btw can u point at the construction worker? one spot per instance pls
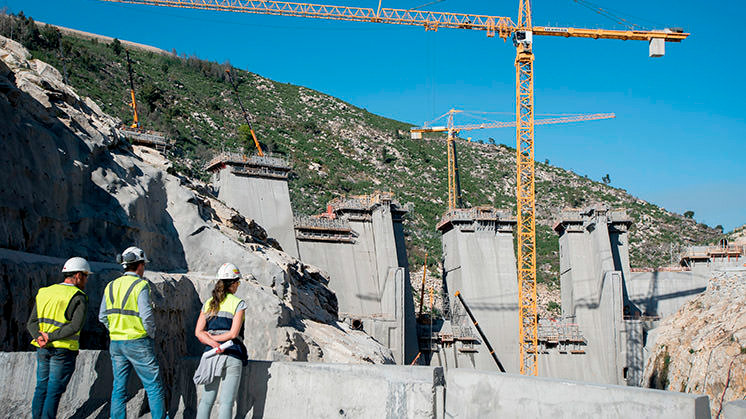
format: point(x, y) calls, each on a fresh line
point(127, 312)
point(219, 322)
point(56, 319)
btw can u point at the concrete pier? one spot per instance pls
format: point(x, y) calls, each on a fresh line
point(257, 188)
point(360, 244)
point(479, 262)
point(594, 263)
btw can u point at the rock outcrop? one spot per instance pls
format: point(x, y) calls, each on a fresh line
point(71, 185)
point(702, 348)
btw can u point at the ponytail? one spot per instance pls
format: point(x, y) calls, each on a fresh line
point(218, 295)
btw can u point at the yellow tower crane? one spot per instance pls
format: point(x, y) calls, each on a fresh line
point(454, 183)
point(522, 33)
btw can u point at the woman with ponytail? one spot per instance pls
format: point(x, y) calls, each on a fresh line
point(220, 321)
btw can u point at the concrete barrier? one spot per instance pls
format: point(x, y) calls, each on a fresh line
point(734, 410)
point(268, 389)
point(87, 395)
point(476, 394)
point(313, 390)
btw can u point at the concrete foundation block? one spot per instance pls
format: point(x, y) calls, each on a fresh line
point(355, 391)
point(734, 410)
point(476, 394)
point(88, 394)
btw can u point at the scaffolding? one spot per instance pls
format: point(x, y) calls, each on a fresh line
point(360, 207)
point(563, 335)
point(363, 202)
point(477, 218)
point(723, 251)
point(150, 139)
point(256, 166)
point(323, 229)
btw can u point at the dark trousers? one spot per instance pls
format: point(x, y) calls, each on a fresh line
point(54, 368)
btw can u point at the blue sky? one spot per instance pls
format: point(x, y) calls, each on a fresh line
point(679, 139)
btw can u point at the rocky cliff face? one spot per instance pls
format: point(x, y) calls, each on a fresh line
point(702, 348)
point(72, 186)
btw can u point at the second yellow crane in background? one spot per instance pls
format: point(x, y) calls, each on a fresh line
point(454, 182)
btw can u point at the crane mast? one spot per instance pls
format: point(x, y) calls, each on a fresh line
point(522, 33)
point(133, 103)
point(528, 331)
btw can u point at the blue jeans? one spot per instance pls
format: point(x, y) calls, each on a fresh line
point(230, 379)
point(54, 368)
point(140, 355)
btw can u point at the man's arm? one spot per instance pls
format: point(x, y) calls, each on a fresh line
point(75, 314)
point(102, 310)
point(32, 325)
point(145, 308)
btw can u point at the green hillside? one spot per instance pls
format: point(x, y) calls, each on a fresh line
point(335, 147)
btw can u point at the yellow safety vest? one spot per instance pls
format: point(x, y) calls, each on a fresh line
point(51, 304)
point(223, 320)
point(122, 311)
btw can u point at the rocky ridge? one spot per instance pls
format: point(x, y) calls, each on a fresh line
point(72, 185)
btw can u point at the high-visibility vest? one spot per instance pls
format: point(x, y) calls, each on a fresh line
point(223, 319)
point(122, 311)
point(51, 304)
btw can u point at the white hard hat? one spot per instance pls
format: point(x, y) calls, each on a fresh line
point(77, 264)
point(229, 271)
point(131, 255)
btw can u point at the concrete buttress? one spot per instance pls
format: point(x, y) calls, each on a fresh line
point(361, 246)
point(257, 188)
point(479, 262)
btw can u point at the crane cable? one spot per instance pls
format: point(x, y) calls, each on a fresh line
point(426, 4)
point(614, 15)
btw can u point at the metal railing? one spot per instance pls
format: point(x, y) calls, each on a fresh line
point(478, 213)
point(150, 138)
point(363, 202)
point(251, 160)
point(309, 222)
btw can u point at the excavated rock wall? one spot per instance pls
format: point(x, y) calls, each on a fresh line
point(702, 348)
point(72, 186)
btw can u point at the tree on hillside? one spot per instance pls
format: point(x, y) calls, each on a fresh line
point(116, 46)
point(606, 179)
point(689, 214)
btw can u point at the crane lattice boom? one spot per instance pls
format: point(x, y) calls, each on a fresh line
point(492, 25)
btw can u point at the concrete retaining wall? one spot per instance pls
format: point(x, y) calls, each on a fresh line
point(473, 394)
point(661, 293)
point(311, 390)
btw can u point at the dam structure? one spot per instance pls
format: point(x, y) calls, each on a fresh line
point(257, 187)
point(609, 311)
point(479, 262)
point(359, 242)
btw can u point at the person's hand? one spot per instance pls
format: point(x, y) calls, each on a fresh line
point(216, 346)
point(42, 339)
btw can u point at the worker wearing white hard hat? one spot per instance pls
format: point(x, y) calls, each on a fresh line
point(56, 320)
point(220, 328)
point(126, 310)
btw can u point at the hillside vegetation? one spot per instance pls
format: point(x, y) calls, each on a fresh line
point(336, 148)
